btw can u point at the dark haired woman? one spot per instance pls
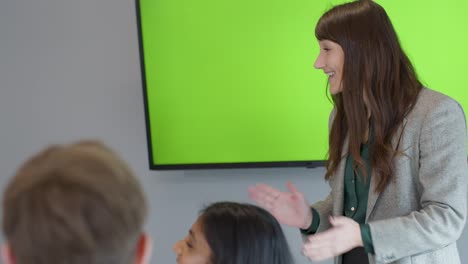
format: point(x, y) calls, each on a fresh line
point(397, 162)
point(233, 233)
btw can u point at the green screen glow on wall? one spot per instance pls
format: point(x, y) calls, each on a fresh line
point(232, 83)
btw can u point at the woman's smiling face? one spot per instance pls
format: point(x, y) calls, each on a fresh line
point(331, 61)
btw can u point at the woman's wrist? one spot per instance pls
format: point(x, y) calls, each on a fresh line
point(308, 220)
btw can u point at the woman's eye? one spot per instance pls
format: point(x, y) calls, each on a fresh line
point(326, 49)
point(189, 244)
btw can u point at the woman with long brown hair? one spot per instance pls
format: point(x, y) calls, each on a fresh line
point(397, 162)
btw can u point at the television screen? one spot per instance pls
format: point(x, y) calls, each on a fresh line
point(232, 83)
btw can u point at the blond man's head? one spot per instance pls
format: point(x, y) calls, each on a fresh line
point(77, 203)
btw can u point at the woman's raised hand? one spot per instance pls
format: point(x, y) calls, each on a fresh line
point(289, 208)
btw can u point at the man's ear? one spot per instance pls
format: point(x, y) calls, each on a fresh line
point(7, 254)
point(144, 249)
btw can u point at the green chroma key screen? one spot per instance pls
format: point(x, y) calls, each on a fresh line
point(232, 84)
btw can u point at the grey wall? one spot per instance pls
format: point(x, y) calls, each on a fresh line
point(70, 70)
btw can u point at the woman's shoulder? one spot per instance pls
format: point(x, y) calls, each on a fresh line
point(430, 100)
point(433, 106)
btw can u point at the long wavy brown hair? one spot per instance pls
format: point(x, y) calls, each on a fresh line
point(378, 80)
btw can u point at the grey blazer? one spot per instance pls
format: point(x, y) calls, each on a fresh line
point(421, 214)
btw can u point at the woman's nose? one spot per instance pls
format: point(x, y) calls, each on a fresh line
point(177, 249)
point(319, 64)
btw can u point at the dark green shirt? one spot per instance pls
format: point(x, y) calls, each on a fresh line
point(356, 193)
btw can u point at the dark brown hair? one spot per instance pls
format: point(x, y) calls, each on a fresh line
point(74, 204)
point(375, 67)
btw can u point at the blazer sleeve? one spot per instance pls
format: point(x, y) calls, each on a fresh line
point(324, 209)
point(442, 178)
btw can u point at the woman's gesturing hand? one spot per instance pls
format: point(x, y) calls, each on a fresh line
point(289, 208)
point(344, 235)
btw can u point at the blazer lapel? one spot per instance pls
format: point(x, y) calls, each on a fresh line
point(339, 182)
point(374, 196)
